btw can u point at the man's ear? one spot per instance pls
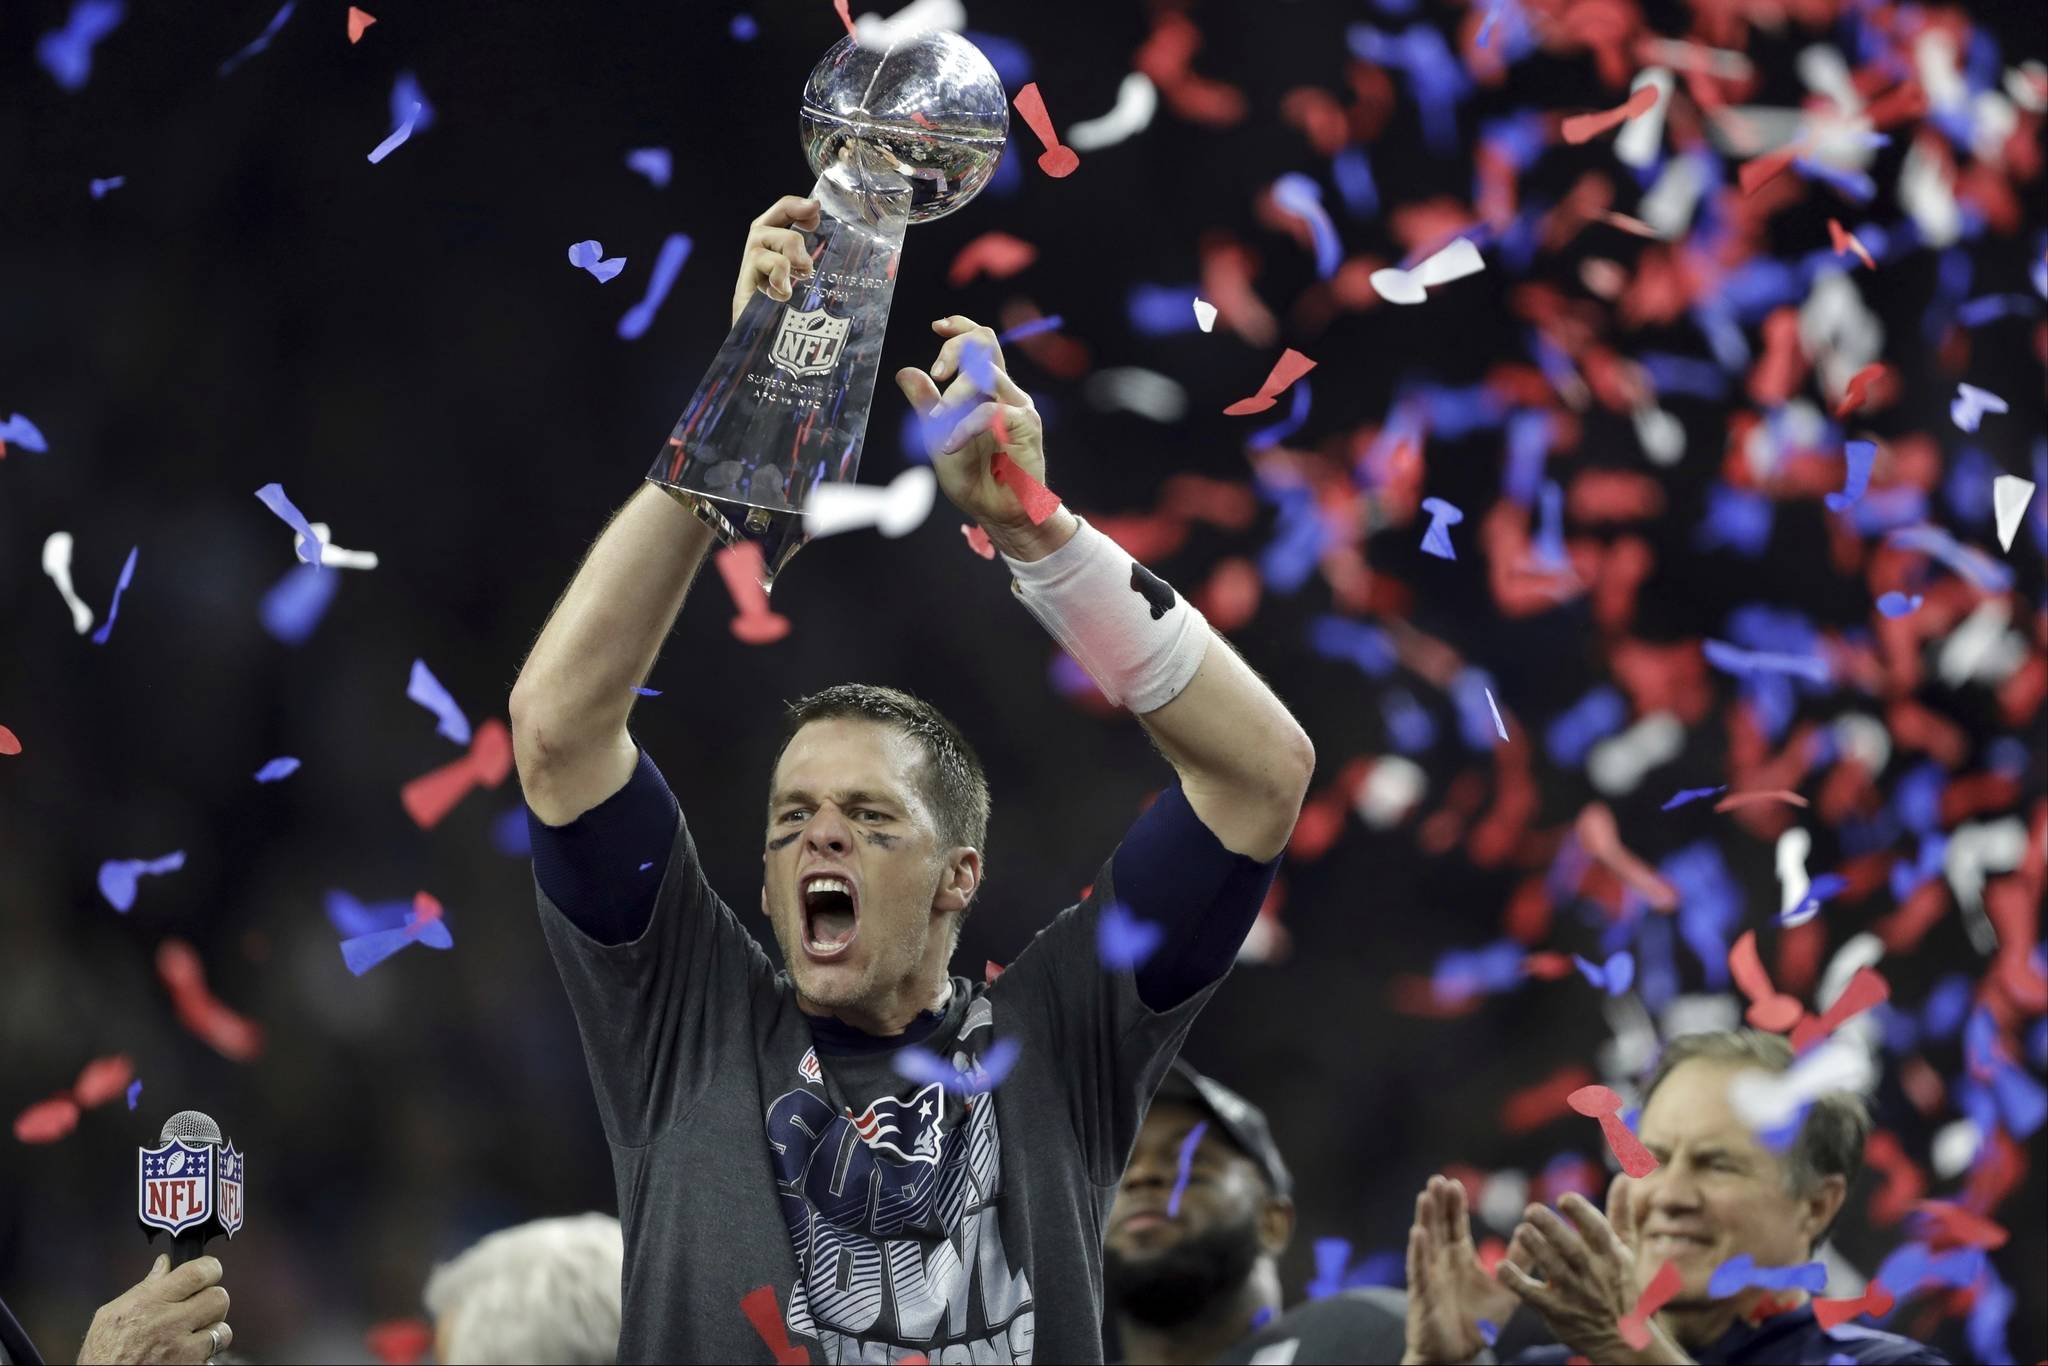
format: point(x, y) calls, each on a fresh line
point(1276, 1225)
point(1822, 1205)
point(959, 880)
point(764, 900)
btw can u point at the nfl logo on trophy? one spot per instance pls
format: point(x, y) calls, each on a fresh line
point(808, 342)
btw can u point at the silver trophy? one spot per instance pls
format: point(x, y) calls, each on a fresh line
point(897, 135)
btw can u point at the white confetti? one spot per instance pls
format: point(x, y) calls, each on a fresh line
point(1137, 99)
point(2010, 495)
point(1641, 136)
point(1205, 314)
point(1454, 262)
point(57, 564)
point(877, 34)
point(896, 510)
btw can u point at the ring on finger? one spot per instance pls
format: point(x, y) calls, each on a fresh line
point(213, 1342)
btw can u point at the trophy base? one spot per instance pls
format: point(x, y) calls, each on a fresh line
point(780, 534)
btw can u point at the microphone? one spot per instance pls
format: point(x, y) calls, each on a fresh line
point(189, 1185)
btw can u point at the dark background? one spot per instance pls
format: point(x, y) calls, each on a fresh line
point(405, 347)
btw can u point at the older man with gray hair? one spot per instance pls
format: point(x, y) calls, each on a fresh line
point(545, 1291)
point(1718, 1192)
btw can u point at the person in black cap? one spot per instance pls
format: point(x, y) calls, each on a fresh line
point(1195, 1278)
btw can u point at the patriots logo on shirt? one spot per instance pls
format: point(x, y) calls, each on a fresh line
point(907, 1128)
point(809, 1070)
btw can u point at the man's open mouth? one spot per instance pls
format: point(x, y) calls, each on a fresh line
point(831, 915)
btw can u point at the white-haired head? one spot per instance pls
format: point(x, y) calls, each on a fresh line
point(537, 1292)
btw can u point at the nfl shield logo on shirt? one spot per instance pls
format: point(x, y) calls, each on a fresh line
point(808, 1068)
point(808, 342)
point(174, 1189)
point(230, 1191)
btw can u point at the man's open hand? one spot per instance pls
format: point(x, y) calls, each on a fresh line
point(163, 1317)
point(776, 251)
point(982, 411)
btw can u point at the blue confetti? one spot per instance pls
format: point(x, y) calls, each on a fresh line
point(510, 835)
point(18, 430)
point(1297, 414)
point(1967, 561)
point(408, 101)
point(648, 692)
point(426, 690)
point(1591, 719)
point(106, 628)
point(1499, 727)
point(1031, 329)
point(1122, 940)
point(1732, 659)
point(1355, 642)
point(1461, 973)
point(1740, 1272)
point(1693, 794)
point(1299, 537)
point(66, 53)
point(277, 769)
point(273, 497)
point(295, 603)
point(396, 138)
point(352, 918)
point(1821, 889)
point(1548, 543)
point(1614, 976)
point(1436, 540)
point(1187, 1160)
point(1352, 171)
point(1991, 307)
point(743, 28)
point(262, 40)
point(674, 251)
point(134, 1094)
point(99, 188)
point(585, 256)
point(1010, 58)
point(1478, 718)
point(368, 950)
point(1852, 185)
point(1860, 455)
point(1162, 310)
point(118, 876)
point(1409, 726)
point(653, 162)
point(1263, 1317)
point(1303, 198)
point(923, 1066)
point(1898, 604)
point(1487, 1330)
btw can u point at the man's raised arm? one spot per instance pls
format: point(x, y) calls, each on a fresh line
point(570, 705)
point(1243, 761)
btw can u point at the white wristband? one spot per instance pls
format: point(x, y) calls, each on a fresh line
point(1138, 639)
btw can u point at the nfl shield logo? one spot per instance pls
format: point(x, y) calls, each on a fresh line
point(808, 342)
point(230, 1191)
point(175, 1186)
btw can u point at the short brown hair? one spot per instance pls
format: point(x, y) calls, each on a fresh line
point(954, 786)
point(1837, 1125)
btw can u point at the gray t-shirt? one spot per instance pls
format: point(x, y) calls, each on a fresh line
point(887, 1217)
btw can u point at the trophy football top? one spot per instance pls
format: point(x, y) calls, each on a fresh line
point(931, 108)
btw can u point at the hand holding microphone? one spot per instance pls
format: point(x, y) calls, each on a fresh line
point(176, 1315)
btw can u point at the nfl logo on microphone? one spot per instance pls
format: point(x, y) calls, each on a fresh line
point(176, 1190)
point(230, 1191)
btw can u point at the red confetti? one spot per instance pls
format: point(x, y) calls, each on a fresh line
point(1635, 1324)
point(1757, 173)
point(1291, 366)
point(231, 1035)
point(1601, 1103)
point(978, 541)
point(740, 566)
point(1866, 989)
point(1230, 598)
point(990, 970)
point(1039, 501)
point(1904, 1182)
point(102, 1080)
point(995, 254)
point(1769, 1009)
point(761, 1309)
point(1536, 1105)
point(1596, 832)
point(400, 1342)
point(47, 1120)
point(1585, 127)
point(8, 743)
point(1056, 161)
point(1948, 1226)
point(1845, 241)
point(431, 796)
point(845, 9)
point(357, 22)
point(1740, 799)
point(1860, 386)
point(1832, 1314)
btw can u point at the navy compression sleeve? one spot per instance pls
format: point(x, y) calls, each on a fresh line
point(603, 869)
point(1172, 870)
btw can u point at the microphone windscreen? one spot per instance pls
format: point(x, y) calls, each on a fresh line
point(192, 1126)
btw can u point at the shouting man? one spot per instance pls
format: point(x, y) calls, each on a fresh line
point(816, 1154)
